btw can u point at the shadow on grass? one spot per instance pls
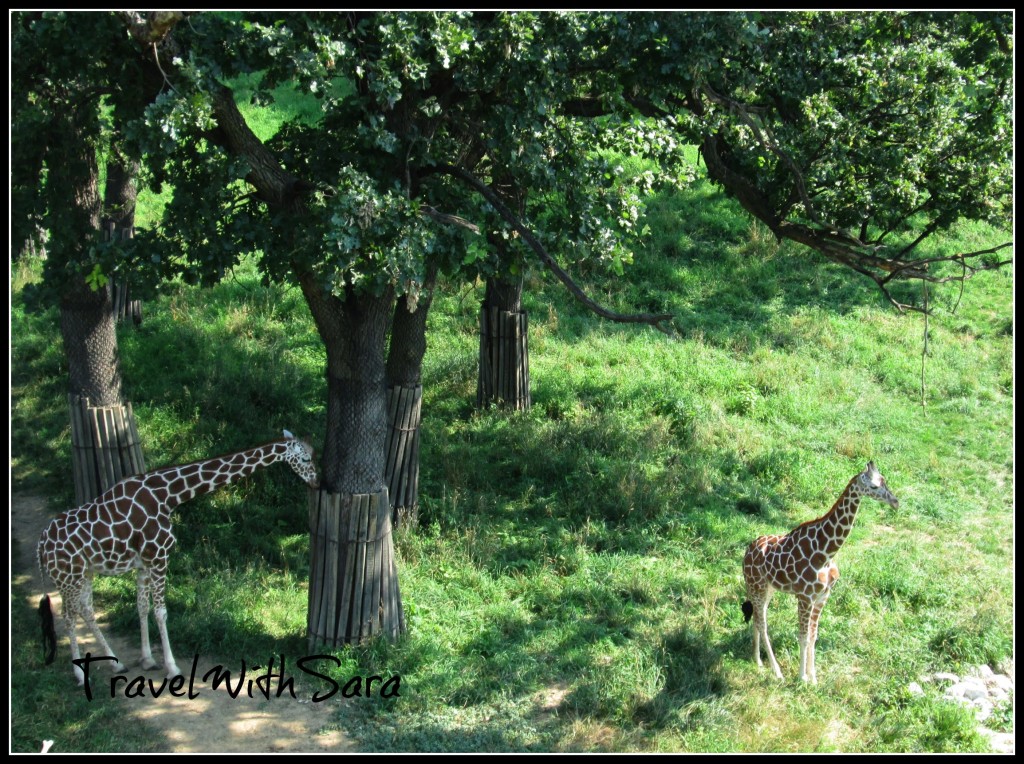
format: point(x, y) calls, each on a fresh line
point(722, 275)
point(227, 388)
point(693, 676)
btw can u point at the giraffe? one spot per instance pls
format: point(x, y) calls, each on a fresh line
point(129, 527)
point(801, 563)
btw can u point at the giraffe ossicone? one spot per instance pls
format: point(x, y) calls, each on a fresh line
point(801, 563)
point(129, 528)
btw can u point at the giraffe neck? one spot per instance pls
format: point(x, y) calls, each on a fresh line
point(187, 481)
point(834, 528)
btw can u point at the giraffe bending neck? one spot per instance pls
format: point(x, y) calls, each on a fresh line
point(184, 482)
point(129, 528)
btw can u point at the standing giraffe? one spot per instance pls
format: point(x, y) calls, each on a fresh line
point(801, 563)
point(129, 527)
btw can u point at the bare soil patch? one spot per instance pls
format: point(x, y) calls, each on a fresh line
point(213, 722)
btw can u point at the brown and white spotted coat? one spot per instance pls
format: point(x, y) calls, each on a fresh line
point(129, 528)
point(801, 562)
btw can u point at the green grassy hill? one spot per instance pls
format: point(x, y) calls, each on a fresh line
point(575, 581)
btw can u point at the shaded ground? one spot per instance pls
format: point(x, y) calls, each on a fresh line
point(211, 722)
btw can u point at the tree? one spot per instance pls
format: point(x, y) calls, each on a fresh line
point(356, 208)
point(59, 129)
point(859, 135)
point(119, 199)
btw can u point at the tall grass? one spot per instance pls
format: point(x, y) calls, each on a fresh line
point(575, 580)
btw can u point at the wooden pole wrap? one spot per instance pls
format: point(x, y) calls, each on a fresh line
point(123, 305)
point(105, 446)
point(353, 578)
point(504, 359)
point(403, 452)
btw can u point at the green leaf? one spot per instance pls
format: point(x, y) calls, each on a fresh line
point(96, 278)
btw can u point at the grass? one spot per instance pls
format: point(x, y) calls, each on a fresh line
point(48, 706)
point(575, 582)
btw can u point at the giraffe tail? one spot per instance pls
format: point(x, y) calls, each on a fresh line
point(49, 633)
point(748, 611)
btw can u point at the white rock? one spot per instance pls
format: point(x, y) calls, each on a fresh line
point(983, 709)
point(1005, 667)
point(1001, 742)
point(974, 692)
point(926, 679)
point(981, 692)
point(956, 691)
point(1003, 682)
point(997, 695)
point(915, 689)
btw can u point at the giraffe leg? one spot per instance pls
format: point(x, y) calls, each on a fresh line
point(757, 644)
point(761, 626)
point(69, 616)
point(755, 601)
point(158, 579)
point(142, 599)
point(89, 615)
point(812, 638)
point(806, 648)
point(812, 633)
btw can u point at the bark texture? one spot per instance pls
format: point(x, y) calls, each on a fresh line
point(353, 331)
point(86, 321)
point(119, 200)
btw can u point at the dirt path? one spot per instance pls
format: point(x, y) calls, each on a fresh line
point(212, 722)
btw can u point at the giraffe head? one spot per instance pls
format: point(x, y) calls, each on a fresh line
point(300, 458)
point(871, 483)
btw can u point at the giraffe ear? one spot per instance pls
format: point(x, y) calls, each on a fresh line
point(871, 466)
point(288, 435)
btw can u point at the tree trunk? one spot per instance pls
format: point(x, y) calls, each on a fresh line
point(119, 223)
point(404, 399)
point(90, 344)
point(105, 444)
point(504, 376)
point(104, 439)
point(353, 578)
point(353, 589)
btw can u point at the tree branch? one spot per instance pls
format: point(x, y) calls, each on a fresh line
point(322, 306)
point(153, 28)
point(446, 219)
point(481, 188)
point(764, 136)
point(273, 183)
point(960, 257)
point(745, 192)
point(836, 245)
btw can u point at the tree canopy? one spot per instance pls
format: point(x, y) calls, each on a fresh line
point(404, 98)
point(857, 134)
